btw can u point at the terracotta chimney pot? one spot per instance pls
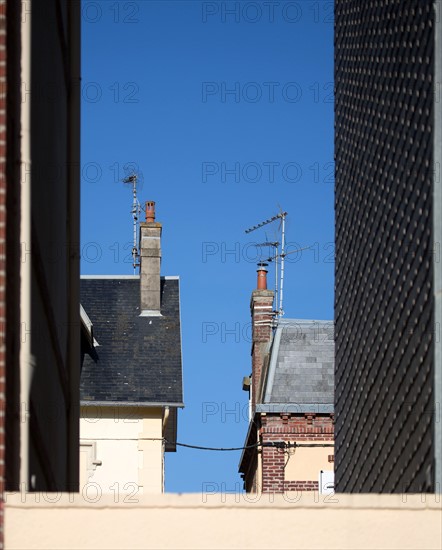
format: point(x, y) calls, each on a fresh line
point(262, 276)
point(150, 211)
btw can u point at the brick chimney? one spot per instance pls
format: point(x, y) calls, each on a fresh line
point(261, 308)
point(150, 262)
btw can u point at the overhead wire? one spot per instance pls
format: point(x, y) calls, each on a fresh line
point(276, 444)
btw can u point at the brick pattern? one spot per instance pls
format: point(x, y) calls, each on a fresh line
point(2, 251)
point(384, 306)
point(273, 460)
point(262, 318)
point(290, 428)
point(306, 355)
point(301, 486)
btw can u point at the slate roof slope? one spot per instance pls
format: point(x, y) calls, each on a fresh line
point(301, 369)
point(138, 359)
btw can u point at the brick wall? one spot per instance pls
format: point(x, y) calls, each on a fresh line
point(290, 428)
point(2, 249)
point(276, 427)
point(261, 307)
point(301, 486)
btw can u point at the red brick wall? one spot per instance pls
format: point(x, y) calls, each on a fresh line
point(262, 319)
point(301, 486)
point(288, 428)
point(2, 250)
point(273, 460)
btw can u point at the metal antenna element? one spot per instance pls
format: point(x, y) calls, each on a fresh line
point(265, 222)
point(268, 244)
point(278, 257)
point(282, 255)
point(136, 210)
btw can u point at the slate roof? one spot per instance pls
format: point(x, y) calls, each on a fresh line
point(138, 359)
point(300, 376)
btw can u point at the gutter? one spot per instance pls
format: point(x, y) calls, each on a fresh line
point(295, 408)
point(26, 360)
point(141, 404)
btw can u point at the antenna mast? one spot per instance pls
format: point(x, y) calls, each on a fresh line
point(279, 256)
point(136, 210)
point(282, 256)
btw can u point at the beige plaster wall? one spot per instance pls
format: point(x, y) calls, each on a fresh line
point(305, 463)
point(224, 521)
point(121, 451)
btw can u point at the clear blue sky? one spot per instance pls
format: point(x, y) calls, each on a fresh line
point(227, 110)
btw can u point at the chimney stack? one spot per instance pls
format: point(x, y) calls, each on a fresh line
point(150, 263)
point(261, 308)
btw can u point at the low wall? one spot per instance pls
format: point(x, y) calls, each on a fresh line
point(220, 520)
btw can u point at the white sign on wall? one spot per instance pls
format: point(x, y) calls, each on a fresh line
point(326, 482)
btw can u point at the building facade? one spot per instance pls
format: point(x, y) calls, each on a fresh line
point(388, 238)
point(131, 374)
point(39, 244)
point(289, 444)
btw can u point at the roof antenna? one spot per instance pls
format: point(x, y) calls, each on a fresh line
point(132, 180)
point(272, 245)
point(278, 256)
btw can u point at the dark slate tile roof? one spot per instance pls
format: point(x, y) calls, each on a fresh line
point(138, 359)
point(301, 368)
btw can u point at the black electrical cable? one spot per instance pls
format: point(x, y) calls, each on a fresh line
point(277, 444)
point(215, 448)
point(309, 444)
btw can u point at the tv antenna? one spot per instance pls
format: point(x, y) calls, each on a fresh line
point(132, 181)
point(274, 253)
point(278, 256)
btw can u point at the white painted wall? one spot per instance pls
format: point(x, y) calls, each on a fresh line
point(121, 452)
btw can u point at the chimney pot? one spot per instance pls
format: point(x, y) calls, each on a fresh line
point(262, 276)
point(150, 211)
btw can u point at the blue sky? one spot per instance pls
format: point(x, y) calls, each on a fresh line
point(226, 108)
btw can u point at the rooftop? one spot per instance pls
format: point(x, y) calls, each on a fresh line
point(300, 376)
point(135, 359)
